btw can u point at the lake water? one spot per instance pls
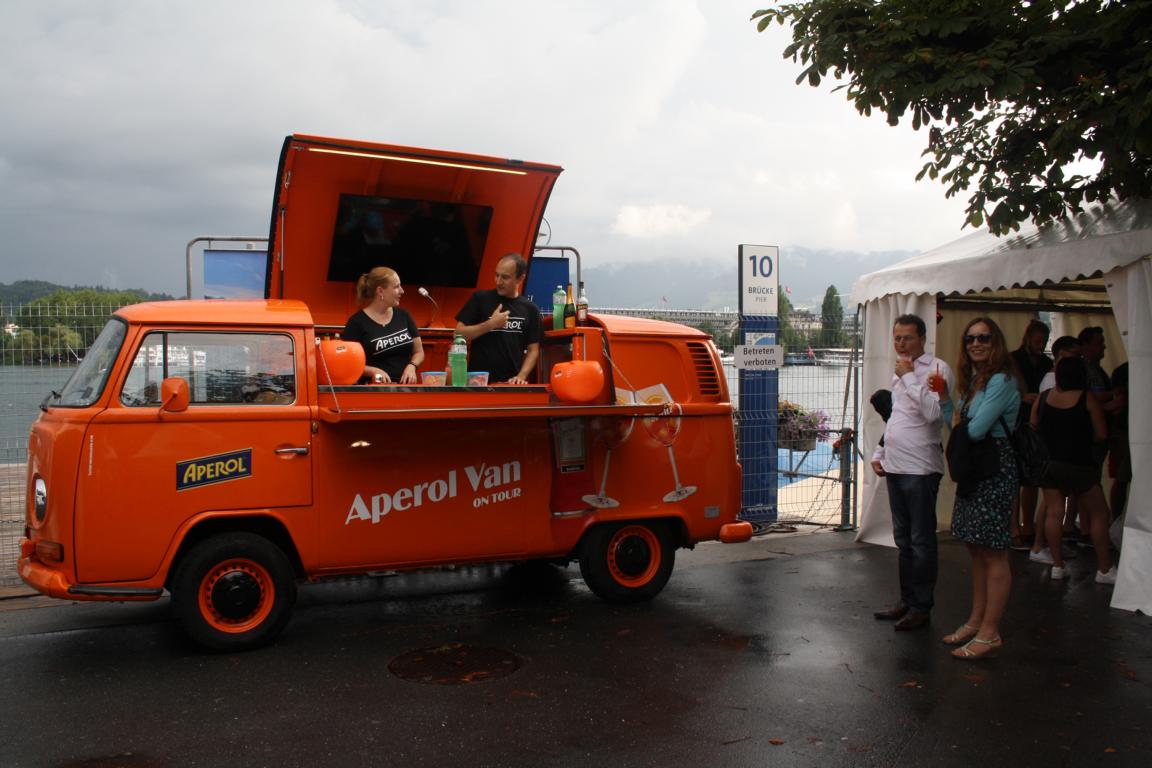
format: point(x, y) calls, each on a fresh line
point(815, 387)
point(22, 389)
point(812, 387)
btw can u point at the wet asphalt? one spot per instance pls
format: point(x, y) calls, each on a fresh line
point(757, 654)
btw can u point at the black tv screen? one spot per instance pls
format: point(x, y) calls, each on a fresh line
point(426, 242)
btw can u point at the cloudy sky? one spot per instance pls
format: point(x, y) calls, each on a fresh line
point(132, 126)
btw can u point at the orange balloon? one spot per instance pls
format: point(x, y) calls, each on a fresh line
point(343, 361)
point(578, 381)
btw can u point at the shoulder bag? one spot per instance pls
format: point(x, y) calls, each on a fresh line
point(1031, 451)
point(970, 461)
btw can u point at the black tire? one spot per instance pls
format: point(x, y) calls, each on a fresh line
point(627, 562)
point(233, 592)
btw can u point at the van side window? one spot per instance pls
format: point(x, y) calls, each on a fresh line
point(220, 368)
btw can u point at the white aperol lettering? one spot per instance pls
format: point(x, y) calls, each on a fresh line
point(403, 499)
point(493, 477)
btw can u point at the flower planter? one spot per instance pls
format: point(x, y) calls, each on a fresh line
point(799, 429)
point(804, 443)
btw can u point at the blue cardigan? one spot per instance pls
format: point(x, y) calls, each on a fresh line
point(1000, 397)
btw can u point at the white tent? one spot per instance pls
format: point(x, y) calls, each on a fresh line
point(1096, 266)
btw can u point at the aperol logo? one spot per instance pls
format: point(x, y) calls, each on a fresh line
point(209, 470)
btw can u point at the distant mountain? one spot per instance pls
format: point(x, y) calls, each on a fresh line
point(24, 291)
point(804, 272)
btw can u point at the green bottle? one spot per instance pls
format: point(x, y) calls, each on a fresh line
point(458, 361)
point(558, 297)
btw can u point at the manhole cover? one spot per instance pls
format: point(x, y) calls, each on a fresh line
point(454, 664)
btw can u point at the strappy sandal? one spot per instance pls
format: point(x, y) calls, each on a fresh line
point(962, 633)
point(988, 648)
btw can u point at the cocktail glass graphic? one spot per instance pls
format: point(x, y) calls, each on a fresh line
point(664, 427)
point(614, 431)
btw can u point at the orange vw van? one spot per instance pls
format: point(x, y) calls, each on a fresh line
point(208, 448)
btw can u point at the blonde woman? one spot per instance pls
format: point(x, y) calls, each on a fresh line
point(392, 347)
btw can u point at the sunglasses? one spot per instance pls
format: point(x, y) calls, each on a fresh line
point(983, 338)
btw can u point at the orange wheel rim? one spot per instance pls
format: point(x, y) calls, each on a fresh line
point(634, 555)
point(236, 595)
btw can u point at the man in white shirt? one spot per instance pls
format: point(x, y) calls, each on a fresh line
point(1065, 346)
point(912, 462)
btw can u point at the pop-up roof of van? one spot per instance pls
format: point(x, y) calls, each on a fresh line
point(440, 219)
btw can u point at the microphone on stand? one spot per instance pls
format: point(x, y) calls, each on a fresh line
point(435, 307)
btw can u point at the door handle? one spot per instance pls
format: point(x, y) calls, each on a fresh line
point(299, 451)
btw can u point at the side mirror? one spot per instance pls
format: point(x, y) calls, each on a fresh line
point(174, 394)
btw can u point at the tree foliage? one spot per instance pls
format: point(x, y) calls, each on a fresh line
point(832, 318)
point(791, 338)
point(25, 291)
point(1012, 92)
point(60, 326)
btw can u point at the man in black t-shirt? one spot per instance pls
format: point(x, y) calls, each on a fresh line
point(504, 329)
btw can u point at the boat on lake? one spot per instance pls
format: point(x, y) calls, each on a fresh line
point(800, 358)
point(838, 357)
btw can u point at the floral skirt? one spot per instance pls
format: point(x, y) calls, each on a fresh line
point(983, 517)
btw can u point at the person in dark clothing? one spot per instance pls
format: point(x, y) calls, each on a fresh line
point(1063, 347)
point(881, 401)
point(1119, 456)
point(1072, 422)
point(1092, 348)
point(504, 330)
point(1032, 364)
point(392, 347)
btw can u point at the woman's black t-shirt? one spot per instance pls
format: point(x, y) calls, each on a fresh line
point(387, 347)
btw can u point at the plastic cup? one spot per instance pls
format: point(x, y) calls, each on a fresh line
point(937, 383)
point(477, 378)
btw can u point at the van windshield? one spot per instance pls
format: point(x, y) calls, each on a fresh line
point(87, 383)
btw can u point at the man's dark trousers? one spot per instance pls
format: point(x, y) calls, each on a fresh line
point(912, 499)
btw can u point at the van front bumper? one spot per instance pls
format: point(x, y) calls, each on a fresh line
point(41, 578)
point(52, 582)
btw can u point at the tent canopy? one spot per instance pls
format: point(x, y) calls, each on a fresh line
point(1087, 270)
point(1102, 238)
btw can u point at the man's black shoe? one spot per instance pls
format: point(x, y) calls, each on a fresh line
point(912, 620)
point(892, 614)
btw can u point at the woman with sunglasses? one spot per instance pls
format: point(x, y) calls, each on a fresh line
point(990, 399)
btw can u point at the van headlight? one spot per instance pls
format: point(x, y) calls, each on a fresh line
point(40, 499)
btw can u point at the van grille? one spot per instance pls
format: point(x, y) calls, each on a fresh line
point(706, 375)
